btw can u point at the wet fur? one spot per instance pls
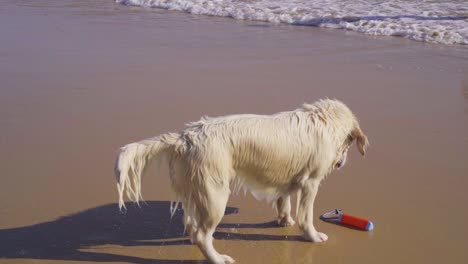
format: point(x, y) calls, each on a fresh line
point(272, 156)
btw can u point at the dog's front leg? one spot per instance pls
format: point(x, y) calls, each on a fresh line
point(283, 207)
point(305, 215)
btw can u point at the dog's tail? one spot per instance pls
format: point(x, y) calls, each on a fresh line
point(132, 161)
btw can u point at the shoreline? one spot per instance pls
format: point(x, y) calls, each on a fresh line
point(385, 20)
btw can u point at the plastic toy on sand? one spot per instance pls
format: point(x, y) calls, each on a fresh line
point(338, 217)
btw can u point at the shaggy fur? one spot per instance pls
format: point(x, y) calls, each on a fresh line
point(270, 156)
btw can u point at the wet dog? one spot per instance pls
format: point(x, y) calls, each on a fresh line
point(272, 156)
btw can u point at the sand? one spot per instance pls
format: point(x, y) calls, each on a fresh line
point(79, 79)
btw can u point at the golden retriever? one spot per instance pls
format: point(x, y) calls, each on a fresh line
point(272, 156)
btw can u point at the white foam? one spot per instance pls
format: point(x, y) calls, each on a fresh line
point(423, 20)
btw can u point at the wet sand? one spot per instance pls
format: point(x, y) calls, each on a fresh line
point(79, 79)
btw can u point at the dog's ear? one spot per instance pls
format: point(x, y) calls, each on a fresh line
point(361, 140)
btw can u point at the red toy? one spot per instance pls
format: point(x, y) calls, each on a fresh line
point(337, 216)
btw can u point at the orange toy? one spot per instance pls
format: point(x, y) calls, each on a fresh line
point(337, 216)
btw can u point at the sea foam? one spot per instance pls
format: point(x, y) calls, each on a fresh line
point(433, 21)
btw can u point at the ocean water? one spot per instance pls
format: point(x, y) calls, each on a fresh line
point(435, 21)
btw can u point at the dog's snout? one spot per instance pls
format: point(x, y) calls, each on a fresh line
point(341, 162)
point(338, 165)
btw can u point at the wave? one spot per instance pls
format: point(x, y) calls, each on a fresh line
point(432, 21)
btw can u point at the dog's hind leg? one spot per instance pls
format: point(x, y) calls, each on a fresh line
point(210, 210)
point(190, 228)
point(305, 215)
point(283, 208)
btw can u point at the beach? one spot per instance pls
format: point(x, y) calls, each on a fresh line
point(80, 79)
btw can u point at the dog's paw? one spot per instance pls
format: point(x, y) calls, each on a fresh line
point(225, 259)
point(316, 237)
point(286, 221)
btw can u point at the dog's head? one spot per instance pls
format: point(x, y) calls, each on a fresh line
point(361, 143)
point(342, 125)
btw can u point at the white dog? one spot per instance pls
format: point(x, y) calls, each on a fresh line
point(270, 156)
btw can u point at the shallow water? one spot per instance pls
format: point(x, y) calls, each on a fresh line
point(82, 78)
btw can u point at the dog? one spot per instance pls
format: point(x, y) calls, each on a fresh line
point(272, 156)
